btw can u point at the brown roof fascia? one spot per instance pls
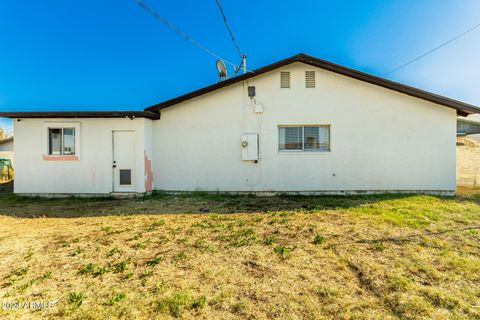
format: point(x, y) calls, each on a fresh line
point(82, 114)
point(461, 107)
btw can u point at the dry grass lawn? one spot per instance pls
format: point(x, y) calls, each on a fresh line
point(240, 257)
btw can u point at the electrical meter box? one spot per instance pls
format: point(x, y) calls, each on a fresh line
point(250, 146)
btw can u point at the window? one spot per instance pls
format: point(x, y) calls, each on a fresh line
point(61, 141)
point(285, 79)
point(309, 79)
point(304, 138)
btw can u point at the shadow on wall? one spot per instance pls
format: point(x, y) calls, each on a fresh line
point(192, 203)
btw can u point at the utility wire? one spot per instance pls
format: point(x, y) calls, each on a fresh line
point(433, 50)
point(177, 30)
point(229, 30)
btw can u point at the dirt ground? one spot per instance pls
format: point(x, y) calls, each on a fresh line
point(241, 257)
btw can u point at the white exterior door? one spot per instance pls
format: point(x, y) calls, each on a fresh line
point(123, 161)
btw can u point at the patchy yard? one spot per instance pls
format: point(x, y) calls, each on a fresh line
point(241, 257)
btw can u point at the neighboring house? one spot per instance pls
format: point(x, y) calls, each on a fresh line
point(6, 148)
point(468, 160)
point(468, 151)
point(299, 125)
point(468, 125)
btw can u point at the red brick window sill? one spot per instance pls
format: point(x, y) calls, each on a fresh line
point(60, 158)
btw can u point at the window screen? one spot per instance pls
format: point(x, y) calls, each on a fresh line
point(68, 141)
point(304, 138)
point(125, 177)
point(290, 138)
point(61, 141)
point(316, 138)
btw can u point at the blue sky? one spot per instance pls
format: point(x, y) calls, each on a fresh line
point(111, 55)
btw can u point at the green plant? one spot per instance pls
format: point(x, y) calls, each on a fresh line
point(75, 299)
point(327, 293)
point(26, 285)
point(258, 219)
point(112, 251)
point(155, 224)
point(100, 271)
point(136, 237)
point(180, 256)
point(87, 269)
point(28, 255)
point(119, 267)
point(107, 229)
point(281, 250)
point(199, 302)
point(146, 274)
point(64, 244)
point(20, 272)
point(117, 297)
point(174, 305)
point(140, 245)
point(177, 303)
point(202, 245)
point(378, 246)
point(319, 239)
point(182, 240)
point(269, 240)
point(93, 269)
point(77, 251)
point(154, 261)
point(242, 237)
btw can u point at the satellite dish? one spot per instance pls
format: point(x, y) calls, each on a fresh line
point(222, 69)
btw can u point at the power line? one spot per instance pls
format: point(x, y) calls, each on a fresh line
point(433, 50)
point(229, 30)
point(177, 30)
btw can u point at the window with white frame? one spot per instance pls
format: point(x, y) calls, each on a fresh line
point(311, 138)
point(61, 141)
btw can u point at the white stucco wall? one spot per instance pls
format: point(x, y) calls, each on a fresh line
point(91, 174)
point(380, 139)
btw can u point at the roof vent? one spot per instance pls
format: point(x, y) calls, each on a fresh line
point(285, 79)
point(310, 79)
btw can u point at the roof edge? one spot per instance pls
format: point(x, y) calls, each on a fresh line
point(461, 107)
point(82, 114)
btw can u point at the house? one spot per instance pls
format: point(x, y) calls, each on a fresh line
point(298, 125)
point(6, 148)
point(468, 125)
point(468, 151)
